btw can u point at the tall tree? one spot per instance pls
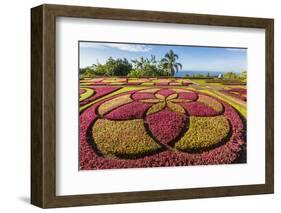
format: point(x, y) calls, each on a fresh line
point(170, 62)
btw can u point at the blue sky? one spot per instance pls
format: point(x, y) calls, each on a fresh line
point(192, 58)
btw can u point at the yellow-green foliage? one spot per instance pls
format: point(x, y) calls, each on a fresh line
point(175, 107)
point(210, 102)
point(241, 108)
point(116, 83)
point(121, 138)
point(203, 132)
point(88, 93)
point(147, 84)
point(114, 103)
point(161, 80)
point(86, 84)
point(135, 80)
point(156, 107)
point(110, 80)
point(198, 81)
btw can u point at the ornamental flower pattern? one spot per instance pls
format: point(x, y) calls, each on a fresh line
point(165, 112)
point(160, 102)
point(159, 127)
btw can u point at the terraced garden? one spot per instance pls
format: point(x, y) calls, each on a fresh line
point(151, 122)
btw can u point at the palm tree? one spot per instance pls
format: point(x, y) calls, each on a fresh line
point(139, 63)
point(169, 62)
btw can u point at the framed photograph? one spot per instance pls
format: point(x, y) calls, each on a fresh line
point(136, 106)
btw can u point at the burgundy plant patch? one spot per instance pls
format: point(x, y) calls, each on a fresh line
point(198, 109)
point(165, 125)
point(141, 96)
point(188, 95)
point(165, 92)
point(161, 83)
point(133, 110)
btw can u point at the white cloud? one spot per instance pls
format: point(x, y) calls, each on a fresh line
point(124, 47)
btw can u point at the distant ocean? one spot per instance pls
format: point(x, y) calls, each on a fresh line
point(191, 73)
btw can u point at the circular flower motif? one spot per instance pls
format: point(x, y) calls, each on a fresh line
point(156, 127)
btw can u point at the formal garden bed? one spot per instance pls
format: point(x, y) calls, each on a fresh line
point(156, 127)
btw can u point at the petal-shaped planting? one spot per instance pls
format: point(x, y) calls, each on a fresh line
point(159, 96)
point(156, 108)
point(180, 100)
point(133, 110)
point(203, 133)
point(173, 96)
point(123, 139)
point(175, 107)
point(114, 103)
point(166, 125)
point(211, 102)
point(199, 109)
point(155, 100)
